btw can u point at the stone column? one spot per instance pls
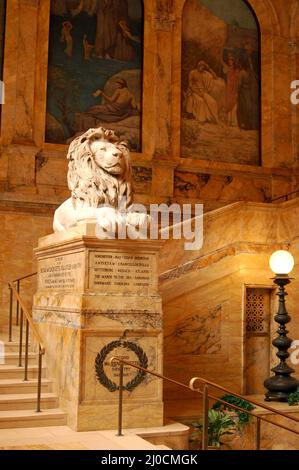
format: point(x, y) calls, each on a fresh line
point(18, 143)
point(97, 299)
point(164, 22)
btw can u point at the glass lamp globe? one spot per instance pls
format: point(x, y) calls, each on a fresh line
point(281, 262)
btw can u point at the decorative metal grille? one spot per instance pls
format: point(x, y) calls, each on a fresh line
point(256, 310)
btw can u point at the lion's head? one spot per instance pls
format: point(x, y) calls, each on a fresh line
point(99, 170)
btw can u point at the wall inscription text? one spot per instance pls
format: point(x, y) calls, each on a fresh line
point(61, 272)
point(115, 271)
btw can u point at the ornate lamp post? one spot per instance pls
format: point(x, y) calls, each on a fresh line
point(281, 384)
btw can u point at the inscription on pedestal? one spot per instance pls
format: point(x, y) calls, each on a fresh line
point(116, 271)
point(61, 272)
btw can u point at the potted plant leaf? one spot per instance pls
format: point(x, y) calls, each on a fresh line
point(293, 399)
point(220, 424)
point(242, 416)
point(242, 436)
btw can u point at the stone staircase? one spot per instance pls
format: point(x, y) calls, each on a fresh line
point(18, 398)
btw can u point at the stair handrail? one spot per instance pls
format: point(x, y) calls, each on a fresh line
point(206, 395)
point(24, 312)
point(28, 316)
point(284, 196)
point(25, 277)
point(230, 392)
point(18, 283)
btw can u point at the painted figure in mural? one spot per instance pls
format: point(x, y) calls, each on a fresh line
point(62, 7)
point(89, 6)
point(87, 48)
point(199, 100)
point(248, 93)
point(109, 13)
point(58, 7)
point(119, 106)
point(123, 47)
point(2, 92)
point(66, 37)
point(232, 73)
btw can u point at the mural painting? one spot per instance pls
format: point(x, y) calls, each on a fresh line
point(95, 69)
point(220, 82)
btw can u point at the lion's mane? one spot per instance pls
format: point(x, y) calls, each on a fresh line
point(91, 185)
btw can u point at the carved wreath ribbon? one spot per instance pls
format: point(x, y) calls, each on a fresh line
point(100, 359)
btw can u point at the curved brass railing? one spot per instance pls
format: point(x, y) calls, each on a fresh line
point(28, 317)
point(206, 396)
point(285, 197)
point(24, 277)
point(18, 284)
point(23, 315)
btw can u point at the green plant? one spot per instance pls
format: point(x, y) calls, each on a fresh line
point(243, 417)
point(294, 398)
point(220, 423)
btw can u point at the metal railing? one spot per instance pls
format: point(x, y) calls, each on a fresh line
point(285, 197)
point(17, 282)
point(205, 393)
point(24, 319)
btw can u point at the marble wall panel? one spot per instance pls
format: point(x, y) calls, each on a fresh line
point(226, 290)
point(198, 333)
point(142, 179)
point(257, 366)
point(206, 186)
point(18, 237)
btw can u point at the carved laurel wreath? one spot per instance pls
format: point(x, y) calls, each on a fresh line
point(100, 359)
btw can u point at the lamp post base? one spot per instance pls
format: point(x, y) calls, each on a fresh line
point(280, 387)
point(277, 396)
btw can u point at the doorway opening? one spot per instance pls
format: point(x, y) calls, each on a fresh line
point(257, 356)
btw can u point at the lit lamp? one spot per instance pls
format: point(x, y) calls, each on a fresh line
point(281, 384)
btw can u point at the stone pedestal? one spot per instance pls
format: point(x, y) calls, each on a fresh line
point(97, 299)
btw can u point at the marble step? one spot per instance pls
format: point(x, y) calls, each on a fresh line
point(14, 372)
point(27, 401)
point(13, 347)
point(12, 358)
point(4, 334)
point(31, 419)
point(15, 386)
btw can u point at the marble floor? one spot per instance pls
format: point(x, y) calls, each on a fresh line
point(63, 438)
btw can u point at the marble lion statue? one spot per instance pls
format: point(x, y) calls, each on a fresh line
point(99, 177)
